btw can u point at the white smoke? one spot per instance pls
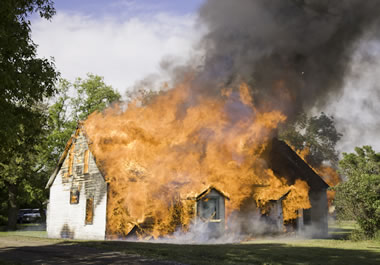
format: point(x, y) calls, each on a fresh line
point(357, 110)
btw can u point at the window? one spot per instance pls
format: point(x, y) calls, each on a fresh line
point(71, 160)
point(210, 209)
point(307, 216)
point(86, 158)
point(89, 211)
point(74, 196)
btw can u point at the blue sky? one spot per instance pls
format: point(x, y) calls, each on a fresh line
point(127, 7)
point(122, 40)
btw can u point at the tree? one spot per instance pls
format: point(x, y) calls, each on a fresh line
point(73, 103)
point(92, 95)
point(60, 125)
point(19, 169)
point(317, 134)
point(25, 81)
point(359, 197)
point(30, 162)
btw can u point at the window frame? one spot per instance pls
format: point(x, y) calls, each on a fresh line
point(206, 201)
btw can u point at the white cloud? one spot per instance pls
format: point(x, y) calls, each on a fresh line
point(121, 51)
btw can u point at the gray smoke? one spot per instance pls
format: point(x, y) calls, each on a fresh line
point(357, 111)
point(293, 53)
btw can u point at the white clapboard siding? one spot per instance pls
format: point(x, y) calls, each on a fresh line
point(65, 220)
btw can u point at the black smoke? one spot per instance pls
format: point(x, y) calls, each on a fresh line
point(293, 53)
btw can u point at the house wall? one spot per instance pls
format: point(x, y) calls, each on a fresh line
point(313, 222)
point(276, 215)
point(318, 214)
point(65, 220)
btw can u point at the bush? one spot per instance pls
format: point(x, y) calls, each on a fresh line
point(358, 198)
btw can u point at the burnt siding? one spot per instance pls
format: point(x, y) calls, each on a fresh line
point(68, 220)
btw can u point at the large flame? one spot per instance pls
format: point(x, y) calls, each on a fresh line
point(328, 174)
point(158, 154)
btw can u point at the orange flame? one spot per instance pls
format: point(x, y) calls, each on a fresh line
point(328, 174)
point(332, 178)
point(158, 154)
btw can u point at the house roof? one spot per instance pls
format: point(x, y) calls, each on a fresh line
point(280, 157)
point(208, 190)
point(287, 163)
point(282, 197)
point(62, 158)
point(65, 152)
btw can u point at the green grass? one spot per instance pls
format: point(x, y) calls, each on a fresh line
point(336, 250)
point(39, 234)
point(255, 252)
point(342, 229)
point(28, 230)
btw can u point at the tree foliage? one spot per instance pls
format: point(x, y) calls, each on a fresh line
point(359, 197)
point(92, 95)
point(30, 162)
point(316, 133)
point(25, 81)
point(74, 102)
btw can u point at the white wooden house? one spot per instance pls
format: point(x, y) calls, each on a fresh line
point(78, 194)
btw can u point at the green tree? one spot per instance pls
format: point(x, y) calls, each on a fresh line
point(318, 134)
point(73, 103)
point(20, 168)
point(25, 81)
point(61, 123)
point(92, 95)
point(358, 198)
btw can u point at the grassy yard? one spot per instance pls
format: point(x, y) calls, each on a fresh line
point(335, 250)
point(25, 230)
point(40, 234)
point(325, 251)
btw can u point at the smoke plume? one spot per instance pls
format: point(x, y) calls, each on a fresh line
point(263, 62)
point(292, 53)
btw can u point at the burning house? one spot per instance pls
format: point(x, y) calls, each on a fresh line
point(82, 206)
point(204, 149)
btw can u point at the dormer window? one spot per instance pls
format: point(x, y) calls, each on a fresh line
point(209, 209)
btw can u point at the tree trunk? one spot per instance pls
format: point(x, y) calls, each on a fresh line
point(12, 207)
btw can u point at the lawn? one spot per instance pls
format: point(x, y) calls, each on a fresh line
point(26, 230)
point(326, 251)
point(335, 250)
